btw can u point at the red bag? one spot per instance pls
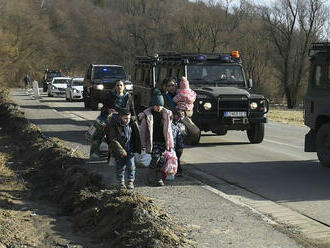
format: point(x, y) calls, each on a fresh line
point(170, 164)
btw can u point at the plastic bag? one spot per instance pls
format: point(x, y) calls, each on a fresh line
point(103, 147)
point(112, 161)
point(142, 159)
point(170, 165)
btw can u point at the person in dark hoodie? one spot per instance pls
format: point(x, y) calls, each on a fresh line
point(123, 138)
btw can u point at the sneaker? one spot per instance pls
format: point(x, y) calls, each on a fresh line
point(94, 156)
point(160, 183)
point(122, 185)
point(130, 185)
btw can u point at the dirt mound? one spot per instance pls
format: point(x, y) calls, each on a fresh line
point(117, 218)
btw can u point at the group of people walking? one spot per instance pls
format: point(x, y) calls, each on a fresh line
point(158, 131)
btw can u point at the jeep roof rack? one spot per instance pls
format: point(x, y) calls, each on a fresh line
point(319, 47)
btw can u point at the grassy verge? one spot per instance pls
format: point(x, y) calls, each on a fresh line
point(46, 169)
point(287, 116)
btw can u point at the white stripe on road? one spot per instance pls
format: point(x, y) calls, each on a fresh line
point(280, 143)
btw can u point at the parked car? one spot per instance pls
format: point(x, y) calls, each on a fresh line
point(75, 89)
point(58, 85)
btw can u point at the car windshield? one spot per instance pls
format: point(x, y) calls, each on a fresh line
point(61, 81)
point(77, 82)
point(219, 73)
point(109, 72)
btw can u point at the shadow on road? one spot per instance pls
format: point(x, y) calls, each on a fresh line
point(281, 181)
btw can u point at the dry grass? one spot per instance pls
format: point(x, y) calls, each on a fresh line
point(288, 116)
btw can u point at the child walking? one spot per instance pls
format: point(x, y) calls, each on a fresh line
point(124, 140)
point(156, 135)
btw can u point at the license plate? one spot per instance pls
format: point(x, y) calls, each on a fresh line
point(234, 114)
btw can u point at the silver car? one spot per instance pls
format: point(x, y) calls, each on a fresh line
point(57, 86)
point(75, 89)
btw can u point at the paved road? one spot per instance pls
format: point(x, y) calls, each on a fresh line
point(277, 170)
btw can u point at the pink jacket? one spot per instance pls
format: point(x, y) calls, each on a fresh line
point(146, 129)
point(185, 97)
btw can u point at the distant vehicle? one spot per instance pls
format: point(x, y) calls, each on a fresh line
point(74, 89)
point(48, 77)
point(57, 86)
point(223, 99)
point(99, 80)
point(317, 103)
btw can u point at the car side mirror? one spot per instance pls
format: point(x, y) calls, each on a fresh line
point(250, 83)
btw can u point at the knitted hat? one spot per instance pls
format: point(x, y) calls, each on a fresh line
point(157, 98)
point(184, 84)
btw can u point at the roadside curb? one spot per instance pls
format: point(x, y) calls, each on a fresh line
point(295, 223)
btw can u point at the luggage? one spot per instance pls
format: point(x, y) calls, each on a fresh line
point(193, 133)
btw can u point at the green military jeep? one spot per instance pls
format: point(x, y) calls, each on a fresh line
point(223, 99)
point(317, 103)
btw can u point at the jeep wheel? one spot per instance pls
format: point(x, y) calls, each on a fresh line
point(256, 133)
point(323, 144)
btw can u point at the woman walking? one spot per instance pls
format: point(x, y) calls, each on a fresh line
point(156, 135)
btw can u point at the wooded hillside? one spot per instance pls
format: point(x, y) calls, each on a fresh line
point(69, 35)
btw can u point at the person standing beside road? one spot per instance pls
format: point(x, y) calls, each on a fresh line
point(169, 92)
point(26, 80)
point(124, 140)
point(156, 135)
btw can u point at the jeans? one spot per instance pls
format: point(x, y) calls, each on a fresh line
point(123, 164)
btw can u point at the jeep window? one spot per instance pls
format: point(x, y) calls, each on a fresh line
point(162, 75)
point(61, 81)
point(322, 76)
point(109, 72)
point(138, 76)
point(220, 73)
point(147, 77)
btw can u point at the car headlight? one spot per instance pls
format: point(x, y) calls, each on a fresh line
point(207, 105)
point(75, 91)
point(129, 86)
point(253, 105)
point(100, 87)
point(53, 87)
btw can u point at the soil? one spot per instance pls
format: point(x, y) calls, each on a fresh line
point(47, 198)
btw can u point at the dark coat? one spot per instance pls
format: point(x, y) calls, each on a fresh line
point(116, 140)
point(110, 100)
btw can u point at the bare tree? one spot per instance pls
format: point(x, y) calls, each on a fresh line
point(293, 25)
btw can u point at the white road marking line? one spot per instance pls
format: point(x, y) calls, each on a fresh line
point(280, 143)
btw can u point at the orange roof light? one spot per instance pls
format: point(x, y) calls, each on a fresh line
point(235, 54)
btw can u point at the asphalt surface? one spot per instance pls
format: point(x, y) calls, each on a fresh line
point(242, 175)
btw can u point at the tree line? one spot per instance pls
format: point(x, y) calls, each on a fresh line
point(68, 35)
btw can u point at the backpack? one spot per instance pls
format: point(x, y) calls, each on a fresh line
point(170, 166)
